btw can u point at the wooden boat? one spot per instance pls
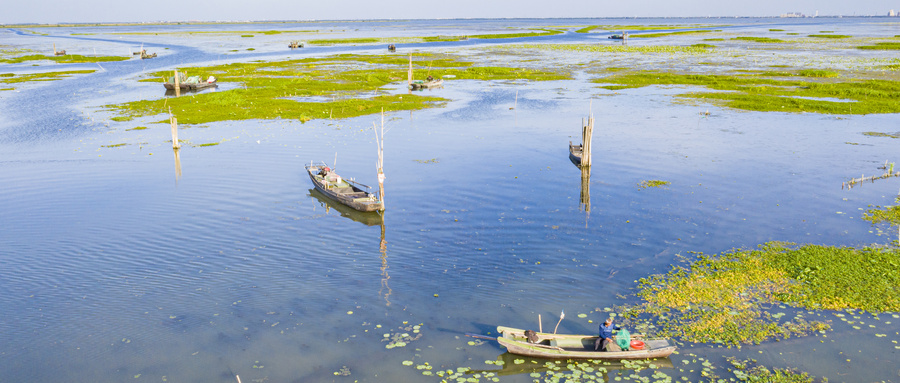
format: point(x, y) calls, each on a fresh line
point(575, 153)
point(392, 48)
point(419, 84)
point(295, 44)
point(190, 83)
point(347, 192)
point(144, 55)
point(563, 346)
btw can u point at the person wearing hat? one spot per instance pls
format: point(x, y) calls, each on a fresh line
point(605, 338)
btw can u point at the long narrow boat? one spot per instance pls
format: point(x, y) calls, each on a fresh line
point(575, 153)
point(419, 84)
point(564, 346)
point(347, 192)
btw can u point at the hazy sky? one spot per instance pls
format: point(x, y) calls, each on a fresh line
point(56, 11)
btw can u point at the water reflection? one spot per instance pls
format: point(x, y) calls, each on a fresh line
point(365, 218)
point(177, 152)
point(385, 290)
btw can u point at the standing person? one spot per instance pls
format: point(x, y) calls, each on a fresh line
point(605, 338)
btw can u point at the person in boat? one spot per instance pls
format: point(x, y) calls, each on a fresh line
point(324, 171)
point(531, 336)
point(430, 79)
point(605, 338)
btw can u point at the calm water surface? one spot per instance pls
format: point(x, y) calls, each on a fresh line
point(131, 264)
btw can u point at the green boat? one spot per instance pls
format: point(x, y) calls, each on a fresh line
point(564, 346)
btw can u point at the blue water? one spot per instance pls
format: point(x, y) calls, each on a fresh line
point(123, 264)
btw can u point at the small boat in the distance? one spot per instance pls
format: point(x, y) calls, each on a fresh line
point(427, 84)
point(345, 191)
point(186, 83)
point(563, 346)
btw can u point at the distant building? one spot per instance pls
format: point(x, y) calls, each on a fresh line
point(891, 13)
point(792, 14)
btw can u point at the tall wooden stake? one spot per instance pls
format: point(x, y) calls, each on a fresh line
point(177, 85)
point(409, 73)
point(587, 134)
point(540, 324)
point(174, 123)
point(379, 140)
point(54, 49)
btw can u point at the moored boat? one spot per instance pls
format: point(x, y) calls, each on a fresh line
point(345, 191)
point(565, 346)
point(575, 153)
point(190, 83)
point(419, 84)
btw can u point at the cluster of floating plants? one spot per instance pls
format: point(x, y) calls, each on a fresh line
point(652, 184)
point(402, 336)
point(727, 299)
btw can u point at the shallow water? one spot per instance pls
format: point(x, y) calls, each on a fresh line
point(122, 264)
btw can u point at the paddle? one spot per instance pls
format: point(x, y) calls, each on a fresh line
point(562, 315)
point(480, 336)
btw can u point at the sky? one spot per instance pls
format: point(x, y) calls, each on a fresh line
point(89, 11)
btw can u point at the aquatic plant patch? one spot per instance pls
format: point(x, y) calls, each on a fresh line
point(664, 34)
point(881, 46)
point(659, 49)
point(277, 89)
point(756, 92)
point(724, 298)
point(652, 184)
point(67, 59)
point(831, 36)
point(750, 370)
point(878, 214)
point(10, 78)
point(767, 40)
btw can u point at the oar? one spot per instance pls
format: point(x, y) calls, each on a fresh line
point(480, 336)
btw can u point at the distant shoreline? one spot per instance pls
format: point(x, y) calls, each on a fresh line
point(152, 23)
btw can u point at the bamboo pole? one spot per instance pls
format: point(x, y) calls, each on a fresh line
point(586, 138)
point(409, 73)
point(561, 316)
point(238, 378)
point(177, 85)
point(540, 324)
point(379, 140)
point(54, 49)
point(174, 123)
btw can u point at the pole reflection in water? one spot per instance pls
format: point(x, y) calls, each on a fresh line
point(385, 290)
point(585, 199)
point(177, 164)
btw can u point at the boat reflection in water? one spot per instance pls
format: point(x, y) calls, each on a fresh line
point(366, 218)
point(513, 364)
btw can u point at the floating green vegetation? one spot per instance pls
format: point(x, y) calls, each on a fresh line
point(652, 184)
point(663, 34)
point(429, 161)
point(587, 29)
point(714, 39)
point(792, 33)
point(207, 144)
point(662, 49)
point(46, 76)
point(64, 59)
point(705, 46)
point(112, 146)
point(879, 134)
point(831, 36)
point(402, 336)
point(721, 299)
point(749, 370)
point(881, 46)
point(246, 35)
point(545, 32)
point(752, 92)
point(137, 128)
point(758, 39)
point(365, 40)
point(889, 214)
point(776, 30)
point(651, 27)
point(314, 88)
point(818, 73)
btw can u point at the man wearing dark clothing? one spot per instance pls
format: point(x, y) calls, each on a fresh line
point(606, 330)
